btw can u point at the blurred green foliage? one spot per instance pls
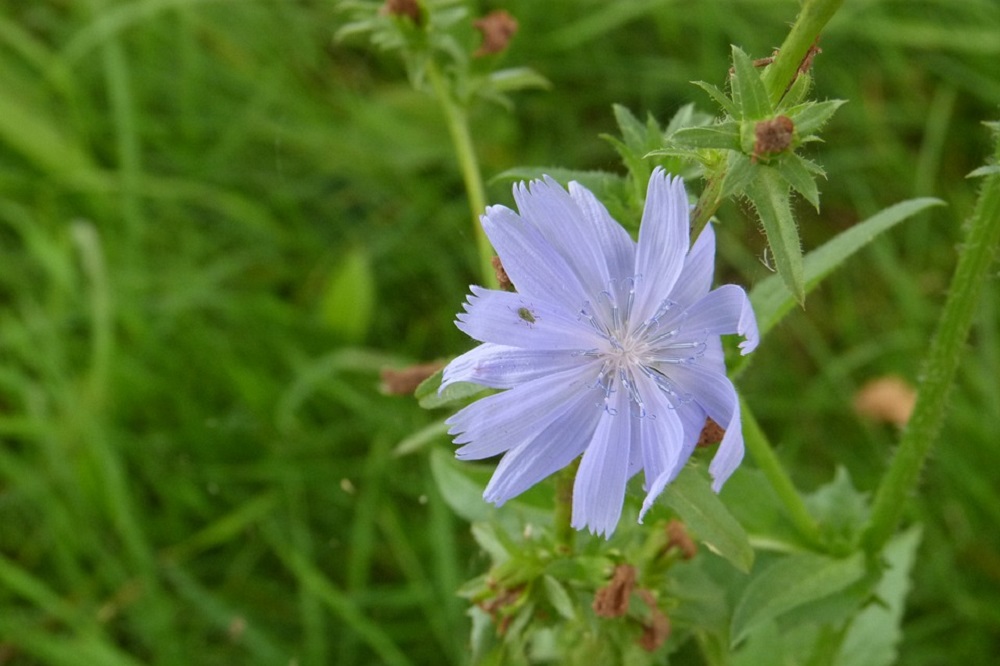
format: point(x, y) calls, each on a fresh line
point(196, 468)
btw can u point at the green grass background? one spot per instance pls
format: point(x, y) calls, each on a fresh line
point(196, 464)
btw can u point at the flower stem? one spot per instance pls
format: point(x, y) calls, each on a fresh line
point(810, 22)
point(768, 463)
point(458, 128)
point(708, 203)
point(939, 370)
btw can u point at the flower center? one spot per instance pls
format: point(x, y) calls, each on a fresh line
point(643, 349)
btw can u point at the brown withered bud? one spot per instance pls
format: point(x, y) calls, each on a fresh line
point(501, 274)
point(772, 136)
point(656, 629)
point(498, 28)
point(711, 434)
point(408, 8)
point(612, 599)
point(677, 537)
point(404, 381)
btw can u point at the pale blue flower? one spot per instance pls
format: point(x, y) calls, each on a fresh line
point(609, 349)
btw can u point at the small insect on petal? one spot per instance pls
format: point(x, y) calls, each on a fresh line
point(526, 315)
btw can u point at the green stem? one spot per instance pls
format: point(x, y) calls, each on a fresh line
point(708, 203)
point(939, 370)
point(768, 463)
point(458, 128)
point(811, 20)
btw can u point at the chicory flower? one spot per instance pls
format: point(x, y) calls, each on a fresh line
point(608, 349)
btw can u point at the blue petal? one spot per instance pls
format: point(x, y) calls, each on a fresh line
point(617, 247)
point(553, 448)
point(695, 279)
point(504, 421)
point(518, 320)
point(501, 367)
point(662, 439)
point(722, 311)
point(716, 395)
point(532, 263)
point(663, 243)
point(599, 489)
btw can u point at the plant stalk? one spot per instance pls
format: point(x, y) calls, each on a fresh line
point(805, 32)
point(942, 361)
point(458, 128)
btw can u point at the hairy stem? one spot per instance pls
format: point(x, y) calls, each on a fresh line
point(945, 352)
point(784, 70)
point(458, 128)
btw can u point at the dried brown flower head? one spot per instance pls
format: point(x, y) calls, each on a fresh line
point(772, 136)
point(612, 599)
point(501, 274)
point(408, 8)
point(677, 537)
point(404, 381)
point(656, 630)
point(711, 434)
point(498, 28)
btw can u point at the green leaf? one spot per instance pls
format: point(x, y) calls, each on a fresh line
point(691, 496)
point(559, 597)
point(748, 89)
point(724, 135)
point(985, 170)
point(739, 172)
point(772, 299)
point(797, 92)
point(633, 132)
point(428, 397)
point(872, 636)
point(720, 97)
point(811, 116)
point(421, 438)
point(769, 194)
point(799, 176)
point(789, 583)
point(518, 78)
point(348, 301)
point(458, 489)
point(840, 510)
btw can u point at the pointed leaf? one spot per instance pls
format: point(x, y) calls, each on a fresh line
point(633, 131)
point(811, 116)
point(713, 91)
point(771, 298)
point(518, 78)
point(739, 173)
point(797, 92)
point(872, 636)
point(428, 397)
point(691, 496)
point(798, 175)
point(748, 89)
point(791, 582)
point(724, 135)
point(769, 194)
